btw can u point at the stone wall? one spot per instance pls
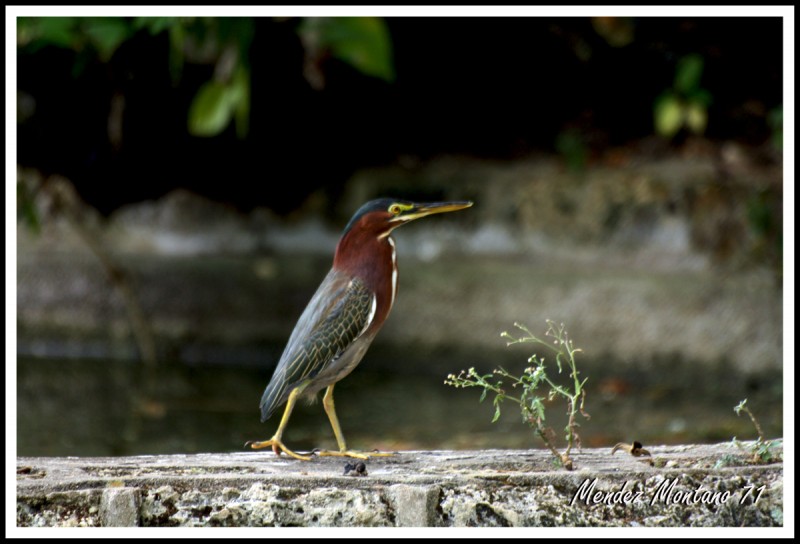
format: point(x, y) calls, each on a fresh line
point(701, 486)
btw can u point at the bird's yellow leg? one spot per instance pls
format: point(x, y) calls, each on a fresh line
point(275, 441)
point(330, 409)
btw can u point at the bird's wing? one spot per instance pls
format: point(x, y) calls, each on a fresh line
point(338, 313)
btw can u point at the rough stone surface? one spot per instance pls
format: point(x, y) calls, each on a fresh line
point(415, 505)
point(697, 485)
point(119, 507)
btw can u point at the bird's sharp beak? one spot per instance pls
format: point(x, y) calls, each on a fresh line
point(421, 210)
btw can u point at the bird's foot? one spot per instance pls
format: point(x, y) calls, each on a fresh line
point(634, 449)
point(277, 447)
point(355, 454)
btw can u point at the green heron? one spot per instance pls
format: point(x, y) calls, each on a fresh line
point(343, 316)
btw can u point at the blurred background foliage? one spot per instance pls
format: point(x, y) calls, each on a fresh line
point(229, 106)
point(361, 42)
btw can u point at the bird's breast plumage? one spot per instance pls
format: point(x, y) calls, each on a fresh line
point(373, 260)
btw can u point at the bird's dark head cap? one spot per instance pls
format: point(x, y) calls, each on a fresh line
point(389, 213)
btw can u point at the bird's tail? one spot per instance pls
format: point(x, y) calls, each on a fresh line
point(274, 395)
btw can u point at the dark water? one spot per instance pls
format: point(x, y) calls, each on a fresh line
point(86, 408)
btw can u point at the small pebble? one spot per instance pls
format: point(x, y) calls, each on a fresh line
point(355, 469)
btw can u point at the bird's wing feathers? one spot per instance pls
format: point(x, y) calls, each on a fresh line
point(338, 313)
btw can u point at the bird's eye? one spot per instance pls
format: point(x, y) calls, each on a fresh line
point(394, 209)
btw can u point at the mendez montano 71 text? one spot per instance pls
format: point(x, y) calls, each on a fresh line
point(666, 492)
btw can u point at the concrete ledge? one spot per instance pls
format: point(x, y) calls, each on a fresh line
point(693, 485)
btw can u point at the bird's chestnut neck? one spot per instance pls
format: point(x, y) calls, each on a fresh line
point(364, 252)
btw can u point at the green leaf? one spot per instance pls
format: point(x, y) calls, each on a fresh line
point(668, 114)
point(241, 102)
point(58, 31)
point(496, 414)
point(216, 104)
point(155, 25)
point(688, 73)
point(239, 30)
point(483, 395)
point(106, 34)
point(538, 407)
point(177, 37)
point(362, 42)
point(696, 117)
point(211, 110)
point(700, 96)
point(558, 361)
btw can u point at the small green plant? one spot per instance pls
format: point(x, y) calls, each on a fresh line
point(762, 450)
point(530, 401)
point(686, 103)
